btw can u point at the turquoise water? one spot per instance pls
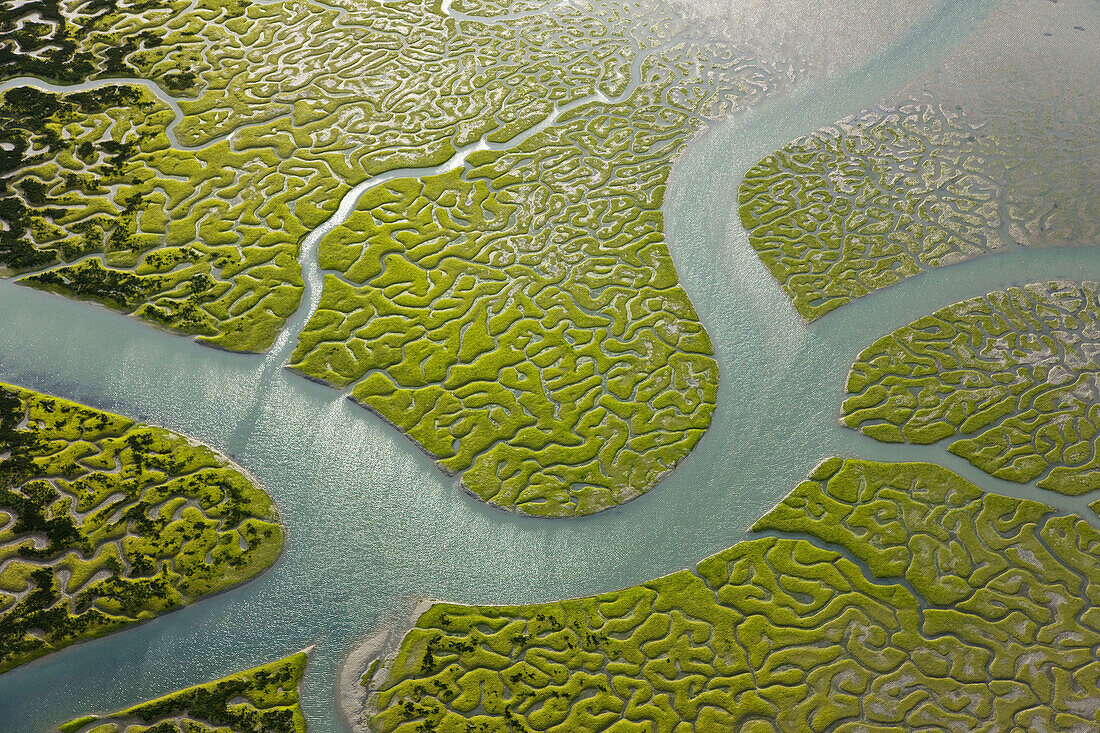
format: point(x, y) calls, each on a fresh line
point(373, 524)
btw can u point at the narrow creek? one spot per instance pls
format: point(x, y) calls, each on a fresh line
point(373, 524)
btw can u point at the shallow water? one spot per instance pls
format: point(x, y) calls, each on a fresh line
point(372, 523)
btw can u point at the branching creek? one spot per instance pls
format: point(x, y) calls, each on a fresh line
point(372, 523)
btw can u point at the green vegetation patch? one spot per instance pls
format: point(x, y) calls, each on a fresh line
point(911, 601)
point(105, 522)
point(1011, 378)
point(519, 317)
point(559, 384)
point(869, 202)
point(939, 178)
point(260, 700)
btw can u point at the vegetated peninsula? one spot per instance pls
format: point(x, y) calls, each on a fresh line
point(264, 699)
point(995, 150)
point(879, 596)
point(515, 310)
point(105, 522)
point(1011, 378)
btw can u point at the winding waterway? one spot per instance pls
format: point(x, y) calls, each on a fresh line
point(373, 523)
